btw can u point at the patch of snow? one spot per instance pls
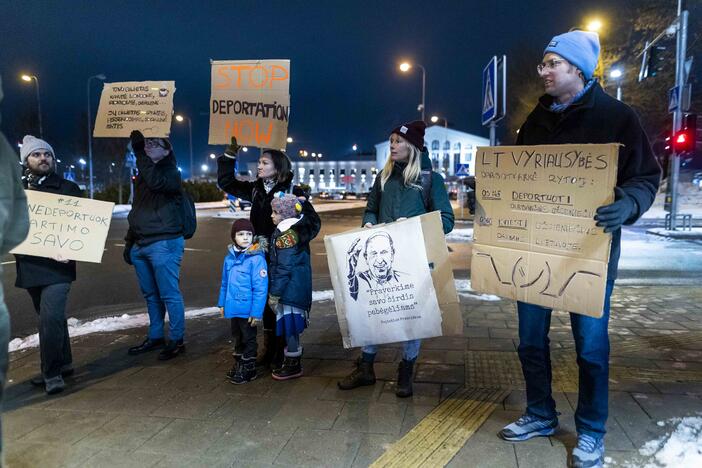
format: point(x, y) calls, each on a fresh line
point(326, 295)
point(680, 449)
point(463, 288)
point(460, 235)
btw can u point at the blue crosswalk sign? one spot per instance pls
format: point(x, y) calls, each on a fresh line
point(462, 170)
point(489, 91)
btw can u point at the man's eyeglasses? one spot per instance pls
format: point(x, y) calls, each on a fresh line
point(548, 65)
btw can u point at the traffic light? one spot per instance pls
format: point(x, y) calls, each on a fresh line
point(685, 138)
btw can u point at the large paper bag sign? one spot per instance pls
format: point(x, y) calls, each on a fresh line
point(75, 228)
point(535, 236)
point(384, 286)
point(250, 100)
point(146, 106)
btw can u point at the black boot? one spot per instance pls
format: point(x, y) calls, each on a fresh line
point(172, 349)
point(362, 375)
point(245, 371)
point(404, 378)
point(291, 368)
point(147, 345)
point(232, 371)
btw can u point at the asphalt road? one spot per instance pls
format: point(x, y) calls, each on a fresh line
point(111, 288)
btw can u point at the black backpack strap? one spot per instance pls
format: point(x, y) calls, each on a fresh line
point(426, 189)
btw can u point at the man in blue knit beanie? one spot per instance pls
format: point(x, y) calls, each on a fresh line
point(575, 110)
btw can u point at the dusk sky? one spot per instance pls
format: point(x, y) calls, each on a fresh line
point(345, 84)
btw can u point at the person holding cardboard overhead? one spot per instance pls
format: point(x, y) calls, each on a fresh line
point(155, 243)
point(48, 280)
point(574, 110)
point(274, 175)
point(405, 187)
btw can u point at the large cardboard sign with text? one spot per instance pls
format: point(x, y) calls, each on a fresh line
point(250, 100)
point(393, 282)
point(146, 106)
point(74, 228)
point(535, 236)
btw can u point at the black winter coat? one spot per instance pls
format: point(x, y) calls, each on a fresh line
point(307, 228)
point(599, 118)
point(157, 212)
point(40, 271)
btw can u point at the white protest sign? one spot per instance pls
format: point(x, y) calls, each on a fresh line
point(146, 106)
point(535, 237)
point(251, 101)
point(383, 286)
point(75, 228)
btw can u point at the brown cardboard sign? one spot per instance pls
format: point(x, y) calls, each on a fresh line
point(75, 228)
point(146, 106)
point(250, 100)
point(535, 236)
point(387, 289)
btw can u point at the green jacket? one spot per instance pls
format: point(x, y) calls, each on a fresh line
point(14, 218)
point(400, 201)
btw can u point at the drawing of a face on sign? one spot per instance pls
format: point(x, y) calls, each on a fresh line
point(379, 255)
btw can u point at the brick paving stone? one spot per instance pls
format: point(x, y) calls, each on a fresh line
point(309, 448)
point(379, 418)
point(125, 433)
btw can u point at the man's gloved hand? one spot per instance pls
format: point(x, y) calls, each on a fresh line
point(233, 149)
point(137, 140)
point(611, 217)
point(127, 254)
point(254, 322)
point(273, 302)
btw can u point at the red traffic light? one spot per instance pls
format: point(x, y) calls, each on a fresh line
point(683, 142)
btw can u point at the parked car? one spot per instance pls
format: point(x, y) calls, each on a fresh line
point(364, 196)
point(349, 196)
point(324, 196)
point(697, 180)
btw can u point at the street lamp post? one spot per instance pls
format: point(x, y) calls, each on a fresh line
point(405, 67)
point(180, 118)
point(436, 118)
point(616, 74)
point(100, 77)
point(29, 78)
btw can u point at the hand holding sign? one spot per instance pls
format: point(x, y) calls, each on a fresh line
point(233, 149)
point(137, 140)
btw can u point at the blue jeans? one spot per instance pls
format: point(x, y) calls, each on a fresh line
point(410, 349)
point(592, 348)
point(157, 267)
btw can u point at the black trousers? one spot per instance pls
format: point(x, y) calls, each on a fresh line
point(244, 336)
point(54, 342)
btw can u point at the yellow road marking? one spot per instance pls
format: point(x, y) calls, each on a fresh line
point(442, 433)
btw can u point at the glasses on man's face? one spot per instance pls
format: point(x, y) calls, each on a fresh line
point(548, 65)
point(153, 143)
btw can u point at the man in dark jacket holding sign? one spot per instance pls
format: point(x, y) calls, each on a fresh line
point(155, 242)
point(576, 110)
point(48, 280)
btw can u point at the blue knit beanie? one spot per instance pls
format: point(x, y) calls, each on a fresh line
point(581, 48)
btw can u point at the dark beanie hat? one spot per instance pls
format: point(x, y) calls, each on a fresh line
point(412, 132)
point(242, 224)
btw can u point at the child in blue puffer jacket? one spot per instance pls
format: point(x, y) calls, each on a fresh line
point(242, 297)
point(290, 289)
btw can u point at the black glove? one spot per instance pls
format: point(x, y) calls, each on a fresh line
point(232, 149)
point(137, 140)
point(127, 254)
point(611, 217)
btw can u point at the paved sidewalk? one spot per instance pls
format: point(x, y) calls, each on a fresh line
point(140, 412)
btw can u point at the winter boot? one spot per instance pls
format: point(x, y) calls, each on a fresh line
point(291, 368)
point(237, 359)
point(245, 371)
point(362, 375)
point(404, 378)
point(172, 349)
point(278, 355)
